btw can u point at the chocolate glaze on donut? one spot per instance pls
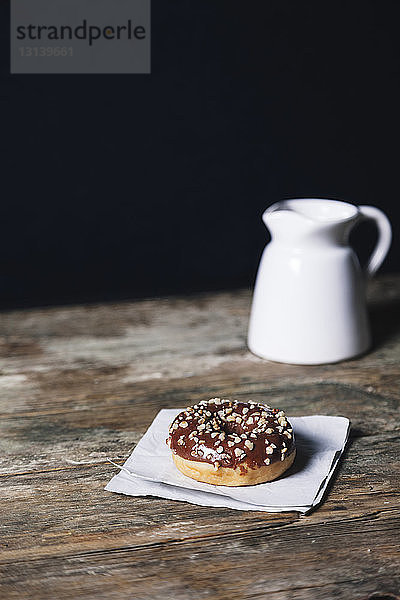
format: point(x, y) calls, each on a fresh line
point(232, 434)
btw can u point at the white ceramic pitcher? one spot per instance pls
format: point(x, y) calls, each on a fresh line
point(309, 304)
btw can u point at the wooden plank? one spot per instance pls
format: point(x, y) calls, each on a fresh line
point(78, 384)
point(101, 427)
point(170, 339)
point(366, 486)
point(303, 558)
point(203, 571)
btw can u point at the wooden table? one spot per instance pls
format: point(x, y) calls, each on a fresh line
point(82, 383)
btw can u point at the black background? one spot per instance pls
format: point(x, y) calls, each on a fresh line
point(121, 186)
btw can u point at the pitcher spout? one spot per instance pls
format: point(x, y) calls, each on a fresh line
point(322, 220)
point(316, 210)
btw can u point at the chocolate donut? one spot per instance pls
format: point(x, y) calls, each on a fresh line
point(224, 442)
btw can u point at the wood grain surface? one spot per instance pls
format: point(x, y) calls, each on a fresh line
point(81, 383)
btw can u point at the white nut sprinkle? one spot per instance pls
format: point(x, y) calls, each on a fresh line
point(269, 431)
point(184, 424)
point(201, 427)
point(237, 440)
point(230, 418)
point(245, 410)
point(220, 449)
point(269, 450)
point(267, 461)
point(221, 436)
point(288, 435)
point(249, 444)
point(181, 442)
point(230, 444)
point(214, 434)
point(238, 451)
point(238, 419)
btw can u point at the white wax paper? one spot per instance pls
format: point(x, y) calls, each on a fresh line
point(320, 441)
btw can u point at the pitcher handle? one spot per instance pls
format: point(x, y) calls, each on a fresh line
point(384, 237)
